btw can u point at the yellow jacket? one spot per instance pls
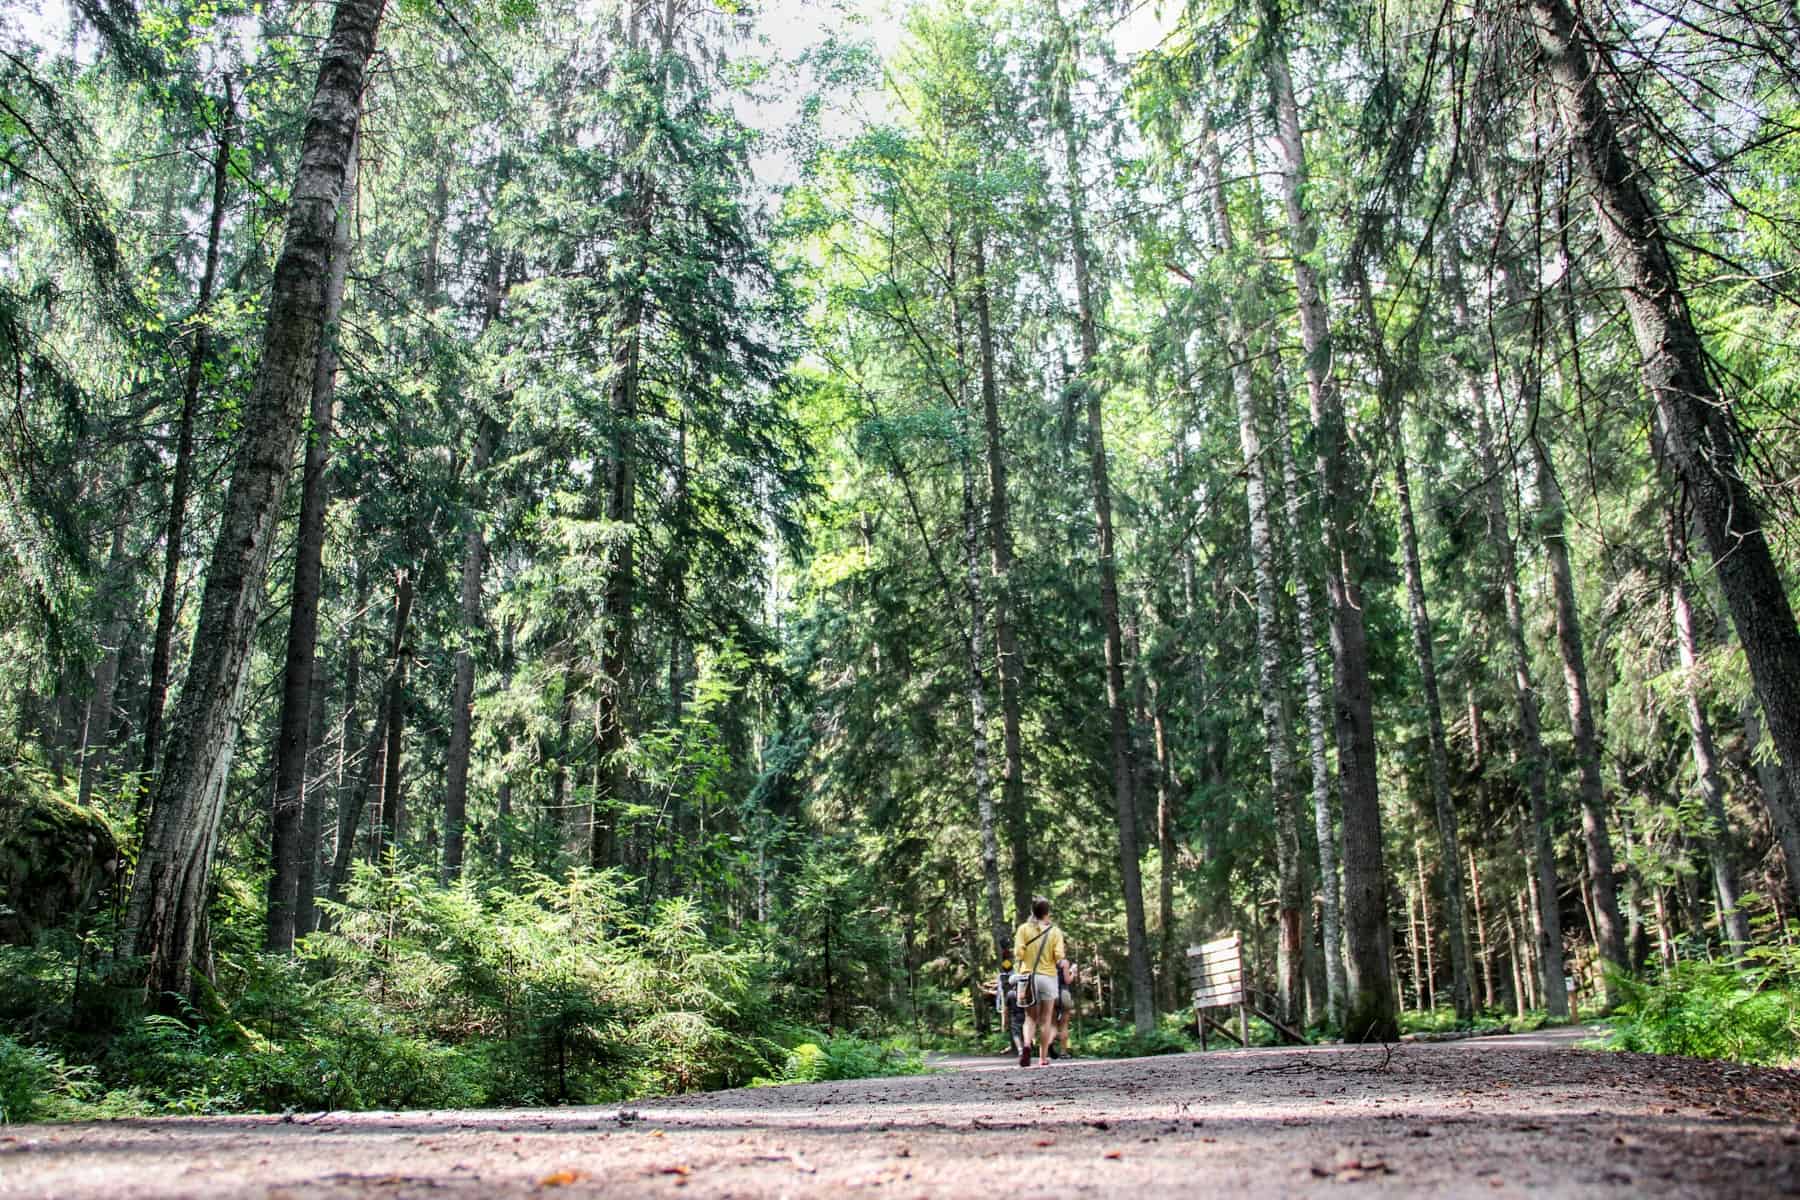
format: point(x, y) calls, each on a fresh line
point(1030, 941)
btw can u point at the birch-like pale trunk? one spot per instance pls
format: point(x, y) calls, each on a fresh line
point(97, 720)
point(1143, 997)
point(1314, 679)
point(1277, 736)
point(1009, 664)
point(1370, 1007)
point(975, 644)
point(168, 895)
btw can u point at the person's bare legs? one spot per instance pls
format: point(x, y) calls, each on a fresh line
point(1042, 1021)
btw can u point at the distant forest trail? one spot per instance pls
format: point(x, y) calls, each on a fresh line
point(1516, 1116)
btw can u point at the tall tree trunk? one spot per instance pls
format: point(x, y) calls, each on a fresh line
point(286, 846)
point(1425, 654)
point(371, 762)
point(1312, 674)
point(312, 818)
point(1143, 998)
point(347, 763)
point(1481, 932)
point(168, 894)
point(162, 641)
point(1370, 1003)
point(975, 644)
point(1695, 424)
point(1778, 799)
point(1425, 921)
point(391, 828)
point(560, 810)
point(503, 837)
point(615, 660)
point(462, 691)
point(613, 777)
point(1733, 922)
point(115, 608)
point(1171, 962)
point(1541, 856)
point(1009, 664)
point(1603, 888)
point(1277, 738)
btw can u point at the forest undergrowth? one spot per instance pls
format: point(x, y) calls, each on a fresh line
point(420, 996)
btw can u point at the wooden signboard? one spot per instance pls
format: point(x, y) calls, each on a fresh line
point(1216, 973)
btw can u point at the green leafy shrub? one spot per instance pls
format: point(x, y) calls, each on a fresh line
point(848, 1057)
point(1748, 1014)
point(557, 991)
point(25, 1081)
point(1117, 1039)
point(1444, 1020)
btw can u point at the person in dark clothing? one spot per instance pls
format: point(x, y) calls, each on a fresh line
point(1006, 1003)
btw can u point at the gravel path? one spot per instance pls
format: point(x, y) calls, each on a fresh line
point(1528, 1115)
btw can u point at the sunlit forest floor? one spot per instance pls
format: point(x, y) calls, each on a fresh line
point(1524, 1115)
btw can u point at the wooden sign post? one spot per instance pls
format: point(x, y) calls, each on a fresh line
point(1216, 971)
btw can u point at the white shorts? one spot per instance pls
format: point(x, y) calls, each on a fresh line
point(1044, 985)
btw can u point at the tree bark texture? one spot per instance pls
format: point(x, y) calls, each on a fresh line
point(1010, 666)
point(1313, 678)
point(348, 764)
point(1425, 655)
point(503, 835)
point(1603, 888)
point(1778, 799)
point(312, 819)
point(162, 641)
point(1695, 422)
point(462, 689)
point(1143, 999)
point(621, 586)
point(1733, 922)
point(1370, 1007)
point(116, 608)
point(975, 656)
point(291, 747)
point(1443, 807)
point(1277, 736)
point(391, 827)
point(1171, 962)
point(1540, 854)
point(371, 762)
point(169, 890)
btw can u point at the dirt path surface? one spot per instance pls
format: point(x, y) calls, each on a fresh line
point(1488, 1117)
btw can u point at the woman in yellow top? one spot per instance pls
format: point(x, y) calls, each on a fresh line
point(1038, 950)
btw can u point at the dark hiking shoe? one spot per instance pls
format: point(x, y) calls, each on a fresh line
point(1025, 1057)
